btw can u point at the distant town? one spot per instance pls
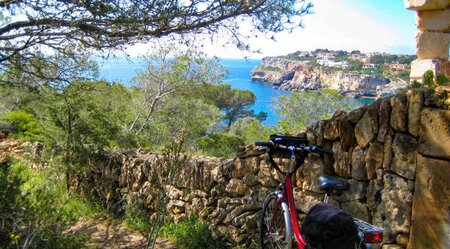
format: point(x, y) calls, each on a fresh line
point(382, 64)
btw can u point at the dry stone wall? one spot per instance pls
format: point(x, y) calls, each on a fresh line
point(395, 154)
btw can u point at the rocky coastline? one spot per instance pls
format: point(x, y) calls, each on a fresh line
point(293, 75)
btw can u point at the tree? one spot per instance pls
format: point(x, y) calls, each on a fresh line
point(27, 27)
point(234, 103)
point(301, 109)
point(170, 73)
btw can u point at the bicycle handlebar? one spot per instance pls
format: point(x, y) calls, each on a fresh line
point(313, 149)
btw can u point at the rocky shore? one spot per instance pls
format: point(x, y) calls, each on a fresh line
point(298, 76)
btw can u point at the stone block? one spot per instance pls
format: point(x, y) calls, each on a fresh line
point(374, 159)
point(236, 187)
point(347, 134)
point(399, 114)
point(364, 131)
point(434, 138)
point(415, 105)
point(405, 153)
point(434, 20)
point(384, 115)
point(359, 164)
point(432, 45)
point(388, 153)
point(342, 164)
point(331, 130)
point(356, 191)
point(430, 218)
point(426, 4)
point(420, 66)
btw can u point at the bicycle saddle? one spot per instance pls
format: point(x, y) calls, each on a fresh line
point(329, 185)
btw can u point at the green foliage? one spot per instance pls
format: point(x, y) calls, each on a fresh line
point(442, 79)
point(235, 103)
point(23, 123)
point(34, 209)
point(428, 78)
point(301, 109)
point(251, 130)
point(354, 65)
point(191, 233)
point(220, 145)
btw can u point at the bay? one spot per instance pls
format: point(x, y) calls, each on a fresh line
point(123, 70)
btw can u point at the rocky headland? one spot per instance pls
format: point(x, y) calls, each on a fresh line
point(294, 75)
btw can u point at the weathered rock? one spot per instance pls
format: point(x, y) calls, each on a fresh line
point(388, 153)
point(426, 4)
point(396, 202)
point(432, 45)
point(176, 206)
point(245, 166)
point(373, 194)
point(173, 193)
point(346, 133)
point(331, 130)
point(342, 164)
point(434, 20)
point(384, 115)
point(430, 217)
point(405, 153)
point(415, 105)
point(265, 177)
point(363, 131)
point(355, 115)
point(403, 240)
point(359, 171)
point(305, 200)
point(236, 187)
point(356, 192)
point(372, 110)
point(251, 180)
point(399, 114)
point(312, 168)
point(374, 159)
point(434, 138)
point(319, 132)
point(391, 246)
point(420, 66)
point(357, 209)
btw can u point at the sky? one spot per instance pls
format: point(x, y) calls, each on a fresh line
point(365, 25)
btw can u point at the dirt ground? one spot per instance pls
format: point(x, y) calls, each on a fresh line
point(110, 234)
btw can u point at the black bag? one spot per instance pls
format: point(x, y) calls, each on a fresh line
point(327, 227)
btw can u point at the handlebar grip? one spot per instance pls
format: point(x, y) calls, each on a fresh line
point(321, 150)
point(266, 144)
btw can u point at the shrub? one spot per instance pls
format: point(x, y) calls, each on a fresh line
point(220, 144)
point(22, 124)
point(428, 78)
point(442, 79)
point(191, 233)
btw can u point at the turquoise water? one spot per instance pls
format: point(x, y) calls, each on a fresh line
point(123, 70)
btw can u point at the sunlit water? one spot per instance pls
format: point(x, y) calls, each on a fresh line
point(123, 70)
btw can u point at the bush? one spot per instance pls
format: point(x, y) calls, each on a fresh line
point(220, 145)
point(442, 79)
point(428, 78)
point(191, 233)
point(34, 209)
point(21, 124)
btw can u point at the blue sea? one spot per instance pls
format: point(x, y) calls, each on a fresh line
point(123, 70)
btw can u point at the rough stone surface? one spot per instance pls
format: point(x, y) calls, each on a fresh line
point(356, 192)
point(347, 134)
point(388, 153)
point(434, 138)
point(432, 45)
point(384, 116)
point(426, 4)
point(430, 215)
point(331, 130)
point(359, 171)
point(399, 114)
point(415, 105)
point(236, 187)
point(355, 115)
point(374, 159)
point(405, 153)
point(363, 131)
point(435, 20)
point(342, 165)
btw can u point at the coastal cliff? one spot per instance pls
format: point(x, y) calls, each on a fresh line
point(294, 75)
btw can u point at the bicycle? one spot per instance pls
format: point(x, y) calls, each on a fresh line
point(279, 215)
